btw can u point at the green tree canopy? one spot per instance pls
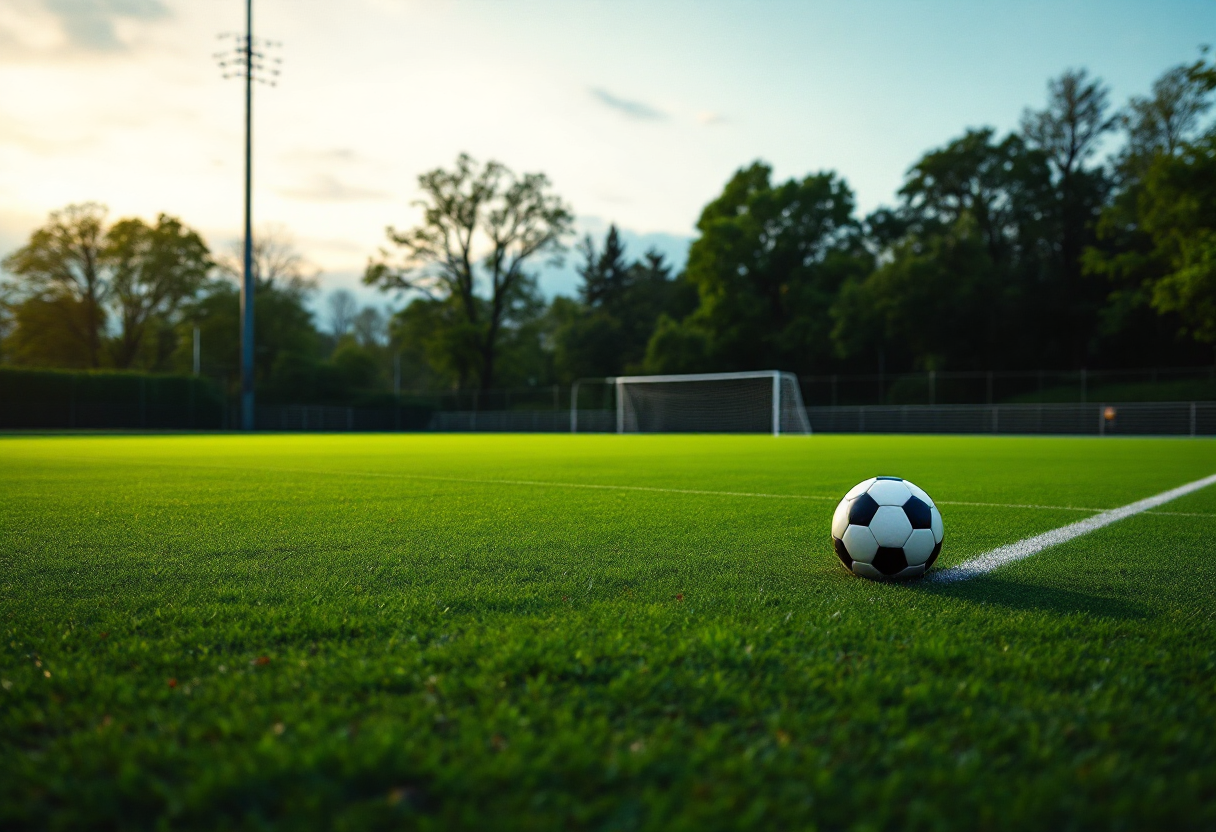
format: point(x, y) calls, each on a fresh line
point(154, 270)
point(1178, 210)
point(767, 266)
point(63, 277)
point(607, 333)
point(75, 275)
point(482, 227)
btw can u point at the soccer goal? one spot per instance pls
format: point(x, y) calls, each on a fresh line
point(755, 402)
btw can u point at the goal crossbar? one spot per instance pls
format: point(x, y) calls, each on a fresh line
point(762, 401)
point(698, 377)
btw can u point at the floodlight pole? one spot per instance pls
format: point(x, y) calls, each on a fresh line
point(247, 278)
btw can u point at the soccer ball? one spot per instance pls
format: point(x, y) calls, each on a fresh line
point(886, 528)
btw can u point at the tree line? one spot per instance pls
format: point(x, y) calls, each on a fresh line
point(1042, 248)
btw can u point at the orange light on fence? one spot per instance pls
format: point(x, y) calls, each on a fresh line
point(1109, 414)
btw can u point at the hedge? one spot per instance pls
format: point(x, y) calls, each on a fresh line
point(107, 399)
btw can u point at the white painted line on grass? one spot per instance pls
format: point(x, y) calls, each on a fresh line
point(545, 484)
point(1017, 505)
point(1025, 548)
point(403, 475)
point(611, 487)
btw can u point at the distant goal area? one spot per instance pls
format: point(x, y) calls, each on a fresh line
point(767, 401)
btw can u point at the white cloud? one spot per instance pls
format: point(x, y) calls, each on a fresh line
point(326, 188)
point(93, 24)
point(32, 27)
point(120, 101)
point(631, 109)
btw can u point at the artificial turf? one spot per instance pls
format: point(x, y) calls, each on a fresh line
point(444, 632)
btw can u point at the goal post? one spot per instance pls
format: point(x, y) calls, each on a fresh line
point(767, 401)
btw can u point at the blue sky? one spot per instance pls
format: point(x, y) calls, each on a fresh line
point(638, 111)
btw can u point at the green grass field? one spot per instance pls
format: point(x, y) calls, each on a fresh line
point(509, 632)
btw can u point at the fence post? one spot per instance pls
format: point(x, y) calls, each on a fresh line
point(620, 406)
point(776, 415)
point(574, 407)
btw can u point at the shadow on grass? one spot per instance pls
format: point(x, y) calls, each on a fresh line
point(1036, 597)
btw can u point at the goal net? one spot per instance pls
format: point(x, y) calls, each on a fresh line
point(754, 402)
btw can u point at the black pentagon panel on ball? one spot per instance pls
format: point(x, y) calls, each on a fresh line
point(862, 511)
point(937, 550)
point(896, 479)
point(842, 553)
point(890, 561)
point(918, 513)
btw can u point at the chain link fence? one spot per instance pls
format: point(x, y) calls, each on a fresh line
point(1118, 419)
point(1102, 419)
point(1010, 387)
point(1162, 402)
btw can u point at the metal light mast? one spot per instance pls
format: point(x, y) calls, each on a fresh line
point(247, 62)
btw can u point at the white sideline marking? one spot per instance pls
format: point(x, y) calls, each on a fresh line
point(657, 489)
point(1025, 548)
point(1017, 505)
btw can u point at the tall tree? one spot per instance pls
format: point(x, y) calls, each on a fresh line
point(63, 274)
point(437, 349)
point(1178, 212)
point(154, 269)
point(1137, 328)
point(933, 303)
point(277, 261)
point(342, 311)
point(1002, 186)
point(286, 333)
point(767, 265)
point(481, 228)
point(621, 301)
point(1069, 128)
point(1069, 131)
point(371, 327)
point(1161, 122)
point(975, 223)
point(605, 273)
point(75, 272)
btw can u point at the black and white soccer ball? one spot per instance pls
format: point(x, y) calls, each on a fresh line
point(886, 528)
